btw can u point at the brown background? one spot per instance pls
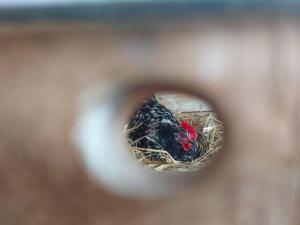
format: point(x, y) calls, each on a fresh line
point(248, 69)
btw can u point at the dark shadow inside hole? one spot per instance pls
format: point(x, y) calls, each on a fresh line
point(171, 130)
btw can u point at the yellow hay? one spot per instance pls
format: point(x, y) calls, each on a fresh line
point(210, 139)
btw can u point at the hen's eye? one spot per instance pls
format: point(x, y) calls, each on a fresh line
point(182, 135)
point(154, 145)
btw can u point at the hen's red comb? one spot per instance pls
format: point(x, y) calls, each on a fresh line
point(190, 129)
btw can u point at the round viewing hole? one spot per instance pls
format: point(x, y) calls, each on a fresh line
point(173, 131)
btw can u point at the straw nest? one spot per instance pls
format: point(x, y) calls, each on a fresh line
point(210, 140)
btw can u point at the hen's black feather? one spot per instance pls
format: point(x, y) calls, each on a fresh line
point(155, 127)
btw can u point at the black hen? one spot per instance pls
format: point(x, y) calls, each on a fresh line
point(154, 126)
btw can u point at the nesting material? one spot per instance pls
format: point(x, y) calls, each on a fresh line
point(210, 140)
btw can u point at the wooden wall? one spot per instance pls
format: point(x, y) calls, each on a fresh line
point(248, 67)
point(178, 102)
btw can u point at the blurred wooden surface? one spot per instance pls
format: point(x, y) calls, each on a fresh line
point(179, 102)
point(247, 68)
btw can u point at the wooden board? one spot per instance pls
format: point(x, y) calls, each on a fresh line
point(178, 102)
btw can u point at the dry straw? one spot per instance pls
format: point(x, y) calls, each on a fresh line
point(210, 140)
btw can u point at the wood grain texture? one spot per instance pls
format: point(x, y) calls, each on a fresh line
point(180, 102)
point(248, 69)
